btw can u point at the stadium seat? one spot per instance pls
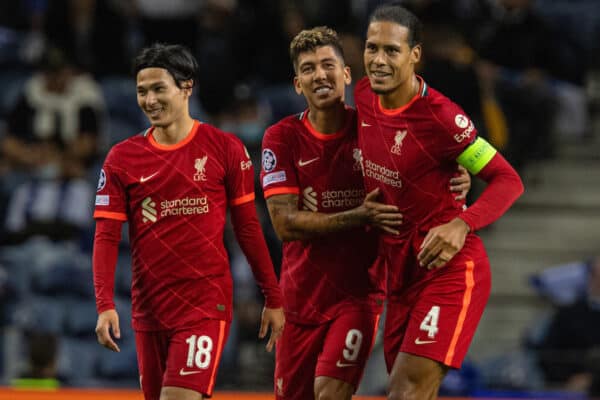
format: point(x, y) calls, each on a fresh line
point(119, 366)
point(63, 277)
point(80, 318)
point(40, 314)
point(562, 284)
point(77, 359)
point(124, 116)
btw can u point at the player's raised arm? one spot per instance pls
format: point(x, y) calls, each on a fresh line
point(104, 261)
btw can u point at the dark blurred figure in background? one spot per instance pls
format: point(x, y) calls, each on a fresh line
point(41, 370)
point(93, 32)
point(569, 353)
point(52, 138)
point(521, 55)
point(178, 21)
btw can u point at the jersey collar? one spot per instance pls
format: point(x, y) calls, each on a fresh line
point(170, 147)
point(422, 92)
point(325, 136)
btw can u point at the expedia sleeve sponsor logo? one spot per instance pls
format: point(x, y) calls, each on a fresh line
point(466, 134)
point(245, 165)
point(382, 174)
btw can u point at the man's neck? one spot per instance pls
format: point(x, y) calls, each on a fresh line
point(328, 121)
point(175, 132)
point(402, 95)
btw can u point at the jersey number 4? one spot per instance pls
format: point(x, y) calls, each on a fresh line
point(199, 350)
point(430, 322)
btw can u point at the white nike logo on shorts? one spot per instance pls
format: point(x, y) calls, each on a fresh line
point(182, 372)
point(364, 124)
point(340, 364)
point(419, 341)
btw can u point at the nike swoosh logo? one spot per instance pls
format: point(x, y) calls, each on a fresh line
point(419, 341)
point(344, 365)
point(182, 372)
point(364, 124)
point(147, 178)
point(303, 163)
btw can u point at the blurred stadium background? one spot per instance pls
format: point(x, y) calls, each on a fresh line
point(527, 71)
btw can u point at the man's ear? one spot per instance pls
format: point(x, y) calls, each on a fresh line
point(415, 54)
point(297, 86)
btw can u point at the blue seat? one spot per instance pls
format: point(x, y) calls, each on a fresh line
point(40, 314)
point(12, 83)
point(78, 359)
point(119, 366)
point(124, 116)
point(63, 277)
point(562, 284)
point(80, 318)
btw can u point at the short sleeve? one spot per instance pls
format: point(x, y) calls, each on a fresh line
point(239, 179)
point(111, 199)
point(278, 175)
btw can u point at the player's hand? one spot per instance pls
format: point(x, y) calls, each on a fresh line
point(273, 318)
point(108, 321)
point(383, 216)
point(442, 243)
point(461, 184)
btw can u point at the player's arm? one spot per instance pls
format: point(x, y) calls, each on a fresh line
point(252, 242)
point(293, 224)
point(503, 188)
point(104, 262)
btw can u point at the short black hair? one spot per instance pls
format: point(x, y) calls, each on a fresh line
point(394, 12)
point(311, 39)
point(175, 58)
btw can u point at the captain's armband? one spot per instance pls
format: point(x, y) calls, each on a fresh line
point(477, 155)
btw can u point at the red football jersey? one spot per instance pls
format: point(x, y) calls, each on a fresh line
point(410, 154)
point(175, 200)
point(327, 275)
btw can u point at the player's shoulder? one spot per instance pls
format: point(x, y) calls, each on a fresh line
point(218, 136)
point(450, 115)
point(285, 128)
point(440, 104)
point(445, 110)
point(129, 145)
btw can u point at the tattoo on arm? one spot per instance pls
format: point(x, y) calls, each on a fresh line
point(291, 223)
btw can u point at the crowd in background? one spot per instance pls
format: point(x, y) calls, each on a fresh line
point(518, 67)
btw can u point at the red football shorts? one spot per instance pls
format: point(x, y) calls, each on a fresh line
point(337, 349)
point(434, 314)
point(186, 358)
